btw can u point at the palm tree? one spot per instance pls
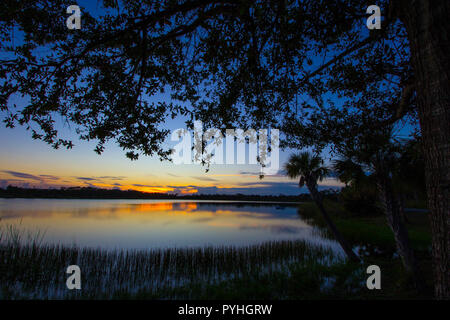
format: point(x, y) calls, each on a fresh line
point(309, 169)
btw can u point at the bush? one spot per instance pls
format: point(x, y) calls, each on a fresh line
point(361, 201)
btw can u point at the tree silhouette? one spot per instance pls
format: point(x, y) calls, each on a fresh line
point(380, 158)
point(309, 169)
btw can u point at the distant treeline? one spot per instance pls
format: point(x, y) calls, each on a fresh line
point(98, 193)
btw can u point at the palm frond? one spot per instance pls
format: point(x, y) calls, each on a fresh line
point(303, 165)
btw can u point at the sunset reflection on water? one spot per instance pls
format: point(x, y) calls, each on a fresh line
point(141, 224)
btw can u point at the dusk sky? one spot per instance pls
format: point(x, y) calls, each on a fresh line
point(33, 163)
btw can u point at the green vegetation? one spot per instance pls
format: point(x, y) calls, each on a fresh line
point(375, 240)
point(367, 228)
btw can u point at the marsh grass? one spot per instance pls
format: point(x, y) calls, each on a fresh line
point(31, 269)
point(15, 235)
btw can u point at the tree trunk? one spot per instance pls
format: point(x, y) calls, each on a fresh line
point(344, 244)
point(392, 209)
point(427, 26)
point(401, 208)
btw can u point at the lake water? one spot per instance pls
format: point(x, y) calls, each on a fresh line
point(141, 224)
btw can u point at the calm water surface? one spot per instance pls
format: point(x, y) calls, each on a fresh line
point(140, 224)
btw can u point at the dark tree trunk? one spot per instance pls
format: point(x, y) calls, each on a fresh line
point(401, 203)
point(344, 244)
point(428, 28)
point(392, 209)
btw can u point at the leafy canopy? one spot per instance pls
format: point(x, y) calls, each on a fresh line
point(310, 68)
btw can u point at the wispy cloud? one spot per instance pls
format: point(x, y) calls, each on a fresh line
point(49, 177)
point(86, 178)
point(101, 178)
point(142, 185)
point(249, 173)
point(23, 175)
point(111, 177)
point(173, 175)
point(203, 178)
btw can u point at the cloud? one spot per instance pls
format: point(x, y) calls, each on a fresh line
point(208, 190)
point(112, 177)
point(100, 178)
point(173, 175)
point(249, 173)
point(91, 185)
point(23, 175)
point(49, 177)
point(141, 185)
point(86, 178)
point(183, 189)
point(203, 178)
